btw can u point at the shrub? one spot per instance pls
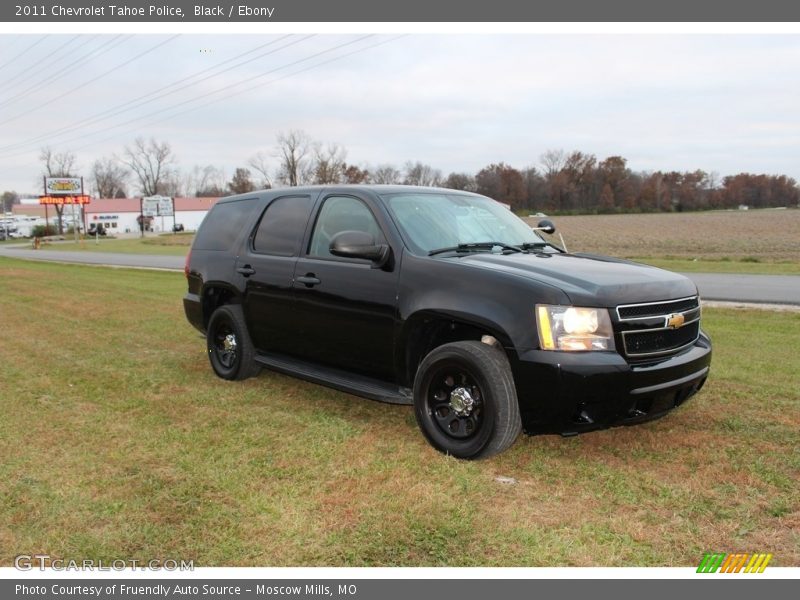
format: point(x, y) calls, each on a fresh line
point(43, 230)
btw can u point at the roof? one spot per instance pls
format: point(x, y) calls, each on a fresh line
point(351, 188)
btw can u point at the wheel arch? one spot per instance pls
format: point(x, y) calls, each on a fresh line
point(427, 329)
point(216, 294)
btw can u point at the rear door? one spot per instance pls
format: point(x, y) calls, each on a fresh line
point(267, 263)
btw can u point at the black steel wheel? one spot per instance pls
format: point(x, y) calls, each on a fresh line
point(465, 401)
point(230, 350)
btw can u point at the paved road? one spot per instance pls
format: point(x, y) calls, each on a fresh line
point(774, 289)
point(151, 261)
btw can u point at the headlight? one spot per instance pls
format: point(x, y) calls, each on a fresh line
point(573, 328)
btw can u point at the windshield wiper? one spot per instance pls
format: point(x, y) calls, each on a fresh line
point(538, 245)
point(476, 246)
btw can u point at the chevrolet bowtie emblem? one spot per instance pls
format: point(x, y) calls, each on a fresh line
point(675, 321)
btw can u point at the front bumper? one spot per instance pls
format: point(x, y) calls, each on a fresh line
point(569, 393)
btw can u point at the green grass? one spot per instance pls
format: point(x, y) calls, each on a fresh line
point(752, 265)
point(167, 244)
point(118, 441)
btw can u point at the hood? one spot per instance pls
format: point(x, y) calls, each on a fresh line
point(590, 280)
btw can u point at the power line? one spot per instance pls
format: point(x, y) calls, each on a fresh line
point(24, 52)
point(185, 102)
point(28, 71)
point(230, 95)
point(275, 80)
point(89, 134)
point(48, 79)
point(111, 70)
point(140, 101)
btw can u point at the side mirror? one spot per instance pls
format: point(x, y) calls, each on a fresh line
point(545, 225)
point(360, 244)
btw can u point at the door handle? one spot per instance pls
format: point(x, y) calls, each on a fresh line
point(308, 280)
point(246, 270)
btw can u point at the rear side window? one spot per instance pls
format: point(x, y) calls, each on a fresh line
point(281, 227)
point(223, 224)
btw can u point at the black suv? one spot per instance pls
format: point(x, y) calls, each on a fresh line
point(445, 300)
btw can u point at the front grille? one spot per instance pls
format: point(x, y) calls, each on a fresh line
point(647, 329)
point(633, 311)
point(660, 341)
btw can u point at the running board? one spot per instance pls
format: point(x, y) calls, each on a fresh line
point(359, 385)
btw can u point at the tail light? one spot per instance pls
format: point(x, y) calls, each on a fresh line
point(186, 264)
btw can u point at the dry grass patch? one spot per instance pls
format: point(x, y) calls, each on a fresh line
point(753, 241)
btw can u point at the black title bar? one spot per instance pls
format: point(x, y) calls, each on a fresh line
point(461, 11)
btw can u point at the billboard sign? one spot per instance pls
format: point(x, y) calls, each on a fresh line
point(150, 206)
point(62, 186)
point(157, 206)
point(165, 207)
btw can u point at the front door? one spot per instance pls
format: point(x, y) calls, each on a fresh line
point(345, 309)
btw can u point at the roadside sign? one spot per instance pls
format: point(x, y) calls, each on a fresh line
point(150, 206)
point(165, 207)
point(68, 186)
point(154, 206)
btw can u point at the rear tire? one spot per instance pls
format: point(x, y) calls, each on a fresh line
point(230, 349)
point(465, 400)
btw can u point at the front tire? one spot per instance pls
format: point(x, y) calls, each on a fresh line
point(230, 350)
point(465, 400)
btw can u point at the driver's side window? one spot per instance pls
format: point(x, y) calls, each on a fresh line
point(341, 213)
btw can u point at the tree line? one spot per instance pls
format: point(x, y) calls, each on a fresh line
point(560, 182)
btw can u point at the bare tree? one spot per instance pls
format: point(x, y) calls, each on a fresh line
point(174, 184)
point(207, 181)
point(329, 164)
point(553, 161)
point(153, 165)
point(421, 174)
point(386, 174)
point(58, 164)
point(293, 150)
point(109, 178)
point(260, 163)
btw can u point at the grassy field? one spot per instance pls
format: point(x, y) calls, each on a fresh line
point(754, 241)
point(117, 441)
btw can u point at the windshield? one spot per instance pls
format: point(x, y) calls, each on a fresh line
point(432, 221)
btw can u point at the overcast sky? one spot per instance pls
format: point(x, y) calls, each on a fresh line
point(723, 103)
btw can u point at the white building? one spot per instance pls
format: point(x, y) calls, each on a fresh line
point(120, 215)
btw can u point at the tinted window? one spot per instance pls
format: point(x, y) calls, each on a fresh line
point(281, 228)
point(342, 214)
point(222, 225)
